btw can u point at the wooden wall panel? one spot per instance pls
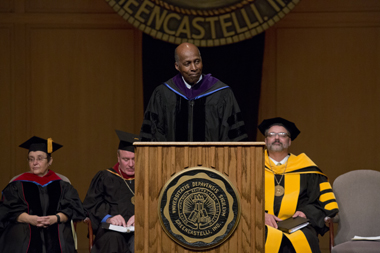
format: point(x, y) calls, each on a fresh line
point(81, 89)
point(157, 164)
point(67, 6)
point(5, 6)
point(336, 97)
point(337, 6)
point(6, 33)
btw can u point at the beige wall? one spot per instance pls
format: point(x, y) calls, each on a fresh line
point(70, 70)
point(322, 71)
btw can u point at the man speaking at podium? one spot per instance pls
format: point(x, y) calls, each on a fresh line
point(192, 106)
point(294, 186)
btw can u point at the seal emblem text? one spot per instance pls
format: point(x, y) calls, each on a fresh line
point(199, 208)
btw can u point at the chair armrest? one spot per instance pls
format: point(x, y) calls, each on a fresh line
point(330, 223)
point(90, 233)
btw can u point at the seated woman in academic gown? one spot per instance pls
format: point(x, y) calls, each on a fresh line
point(37, 207)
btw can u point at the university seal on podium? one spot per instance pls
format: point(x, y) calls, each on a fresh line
point(199, 208)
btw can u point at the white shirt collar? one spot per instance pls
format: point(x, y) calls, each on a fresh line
point(283, 161)
point(188, 85)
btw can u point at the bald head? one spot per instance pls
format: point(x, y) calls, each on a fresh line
point(183, 48)
point(188, 62)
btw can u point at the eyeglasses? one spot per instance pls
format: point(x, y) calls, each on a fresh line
point(282, 134)
point(32, 159)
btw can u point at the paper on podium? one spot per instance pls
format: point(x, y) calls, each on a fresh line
point(118, 228)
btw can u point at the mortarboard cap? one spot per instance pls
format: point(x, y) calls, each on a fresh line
point(290, 126)
point(38, 144)
point(126, 140)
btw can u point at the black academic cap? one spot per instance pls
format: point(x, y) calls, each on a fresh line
point(290, 126)
point(126, 140)
point(38, 144)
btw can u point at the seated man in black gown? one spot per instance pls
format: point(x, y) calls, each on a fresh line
point(110, 199)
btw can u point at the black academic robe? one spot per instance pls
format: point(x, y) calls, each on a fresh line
point(42, 198)
point(307, 190)
point(213, 115)
point(109, 195)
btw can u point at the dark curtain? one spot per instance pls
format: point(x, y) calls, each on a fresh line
point(238, 65)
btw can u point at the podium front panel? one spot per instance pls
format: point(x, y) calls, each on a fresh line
point(241, 162)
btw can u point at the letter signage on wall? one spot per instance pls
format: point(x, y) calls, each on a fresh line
point(205, 23)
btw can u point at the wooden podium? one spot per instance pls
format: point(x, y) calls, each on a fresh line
point(241, 162)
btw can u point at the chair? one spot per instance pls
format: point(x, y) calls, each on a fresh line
point(90, 233)
point(358, 196)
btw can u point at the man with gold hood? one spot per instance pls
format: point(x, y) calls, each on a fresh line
point(294, 186)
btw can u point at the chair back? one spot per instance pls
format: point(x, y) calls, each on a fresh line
point(358, 195)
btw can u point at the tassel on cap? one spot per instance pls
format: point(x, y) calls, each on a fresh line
point(50, 145)
point(38, 144)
